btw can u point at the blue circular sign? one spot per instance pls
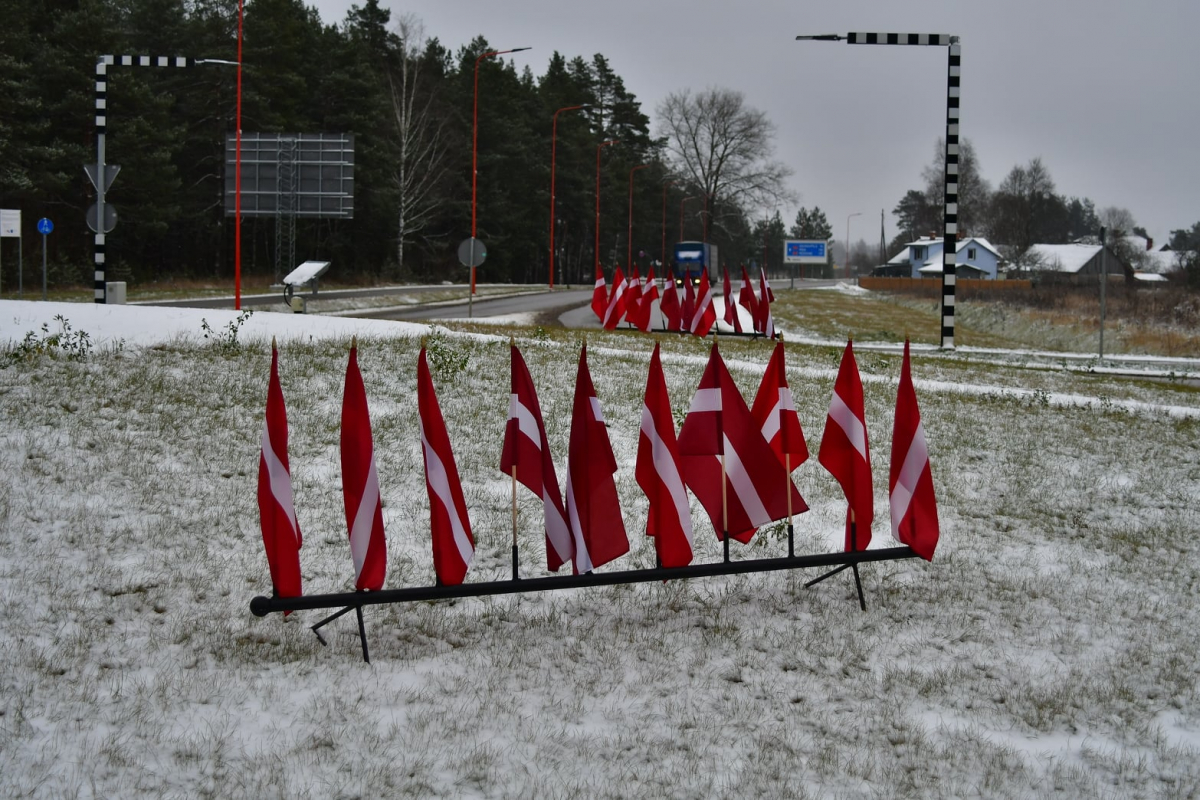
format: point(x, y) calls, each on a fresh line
point(45, 226)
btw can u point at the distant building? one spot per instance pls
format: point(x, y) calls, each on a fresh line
point(1071, 262)
point(975, 258)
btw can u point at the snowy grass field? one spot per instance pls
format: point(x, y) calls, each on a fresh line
point(1049, 649)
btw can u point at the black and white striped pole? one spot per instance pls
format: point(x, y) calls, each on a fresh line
point(103, 174)
point(950, 179)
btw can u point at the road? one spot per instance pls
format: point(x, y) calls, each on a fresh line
point(277, 297)
point(541, 303)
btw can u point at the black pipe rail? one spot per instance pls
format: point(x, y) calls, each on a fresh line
point(262, 606)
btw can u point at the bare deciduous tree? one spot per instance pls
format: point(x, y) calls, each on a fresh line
point(725, 148)
point(421, 149)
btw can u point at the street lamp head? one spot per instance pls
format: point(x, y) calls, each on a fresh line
point(821, 37)
point(216, 61)
point(519, 49)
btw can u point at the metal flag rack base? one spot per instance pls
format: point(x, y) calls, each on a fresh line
point(862, 602)
point(345, 601)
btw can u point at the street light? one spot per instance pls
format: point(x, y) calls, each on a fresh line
point(666, 186)
point(629, 244)
point(599, 147)
point(553, 147)
point(475, 145)
point(855, 214)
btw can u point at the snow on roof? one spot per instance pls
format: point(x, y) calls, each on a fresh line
point(306, 272)
point(984, 243)
point(1162, 262)
point(1064, 257)
point(1149, 277)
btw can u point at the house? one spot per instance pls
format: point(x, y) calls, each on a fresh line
point(1072, 261)
point(975, 258)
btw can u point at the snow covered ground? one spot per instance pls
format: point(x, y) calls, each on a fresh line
point(1048, 649)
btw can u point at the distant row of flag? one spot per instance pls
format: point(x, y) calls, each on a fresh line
point(736, 460)
point(631, 298)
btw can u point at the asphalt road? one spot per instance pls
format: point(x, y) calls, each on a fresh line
point(277, 297)
point(544, 303)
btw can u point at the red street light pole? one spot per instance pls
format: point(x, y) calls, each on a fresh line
point(475, 142)
point(553, 147)
point(666, 186)
point(598, 148)
point(629, 244)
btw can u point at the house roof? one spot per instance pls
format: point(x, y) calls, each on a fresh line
point(903, 256)
point(1065, 257)
point(1149, 277)
point(1163, 261)
point(984, 243)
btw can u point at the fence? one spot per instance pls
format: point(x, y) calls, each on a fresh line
point(933, 288)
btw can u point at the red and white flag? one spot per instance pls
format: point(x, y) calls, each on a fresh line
point(766, 323)
point(276, 512)
point(616, 302)
point(593, 511)
point(646, 304)
point(775, 414)
point(731, 314)
point(453, 546)
point(599, 295)
point(746, 298)
point(659, 473)
point(527, 448)
point(910, 485)
point(705, 315)
point(688, 309)
point(846, 453)
point(764, 284)
point(633, 299)
point(720, 423)
point(669, 307)
point(360, 484)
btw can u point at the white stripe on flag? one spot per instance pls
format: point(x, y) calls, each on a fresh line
point(703, 305)
point(281, 482)
point(556, 527)
point(772, 425)
point(706, 400)
point(840, 413)
point(364, 519)
point(906, 484)
point(439, 481)
point(583, 561)
point(526, 422)
point(596, 409)
point(664, 465)
point(743, 486)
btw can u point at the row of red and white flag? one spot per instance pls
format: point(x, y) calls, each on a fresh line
point(737, 461)
point(632, 298)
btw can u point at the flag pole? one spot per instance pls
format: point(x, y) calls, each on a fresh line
point(787, 478)
point(862, 603)
point(514, 517)
point(724, 507)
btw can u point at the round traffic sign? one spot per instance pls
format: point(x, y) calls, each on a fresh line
point(110, 218)
point(471, 252)
point(45, 226)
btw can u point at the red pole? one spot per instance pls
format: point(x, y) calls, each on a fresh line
point(475, 139)
point(553, 147)
point(237, 179)
point(629, 244)
point(598, 148)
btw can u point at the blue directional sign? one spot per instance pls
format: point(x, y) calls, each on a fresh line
point(804, 251)
point(45, 226)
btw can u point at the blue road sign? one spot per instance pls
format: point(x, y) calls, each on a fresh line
point(806, 249)
point(45, 226)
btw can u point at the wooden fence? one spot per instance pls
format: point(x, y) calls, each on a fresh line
point(933, 287)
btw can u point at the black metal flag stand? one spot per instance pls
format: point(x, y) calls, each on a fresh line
point(853, 565)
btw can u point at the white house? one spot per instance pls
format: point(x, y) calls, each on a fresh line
point(1073, 260)
point(975, 258)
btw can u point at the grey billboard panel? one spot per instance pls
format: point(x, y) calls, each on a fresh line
point(305, 174)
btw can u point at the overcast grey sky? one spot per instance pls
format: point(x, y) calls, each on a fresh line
point(1104, 92)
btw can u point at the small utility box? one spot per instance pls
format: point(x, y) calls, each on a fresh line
point(303, 277)
point(114, 292)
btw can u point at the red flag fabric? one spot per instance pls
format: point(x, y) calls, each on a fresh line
point(731, 316)
point(633, 299)
point(527, 448)
point(599, 295)
point(766, 323)
point(720, 423)
point(775, 414)
point(688, 309)
point(746, 298)
point(593, 511)
point(845, 451)
point(276, 511)
point(449, 524)
point(764, 284)
point(910, 483)
point(360, 484)
point(659, 473)
point(705, 315)
point(669, 306)
point(616, 302)
point(646, 303)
